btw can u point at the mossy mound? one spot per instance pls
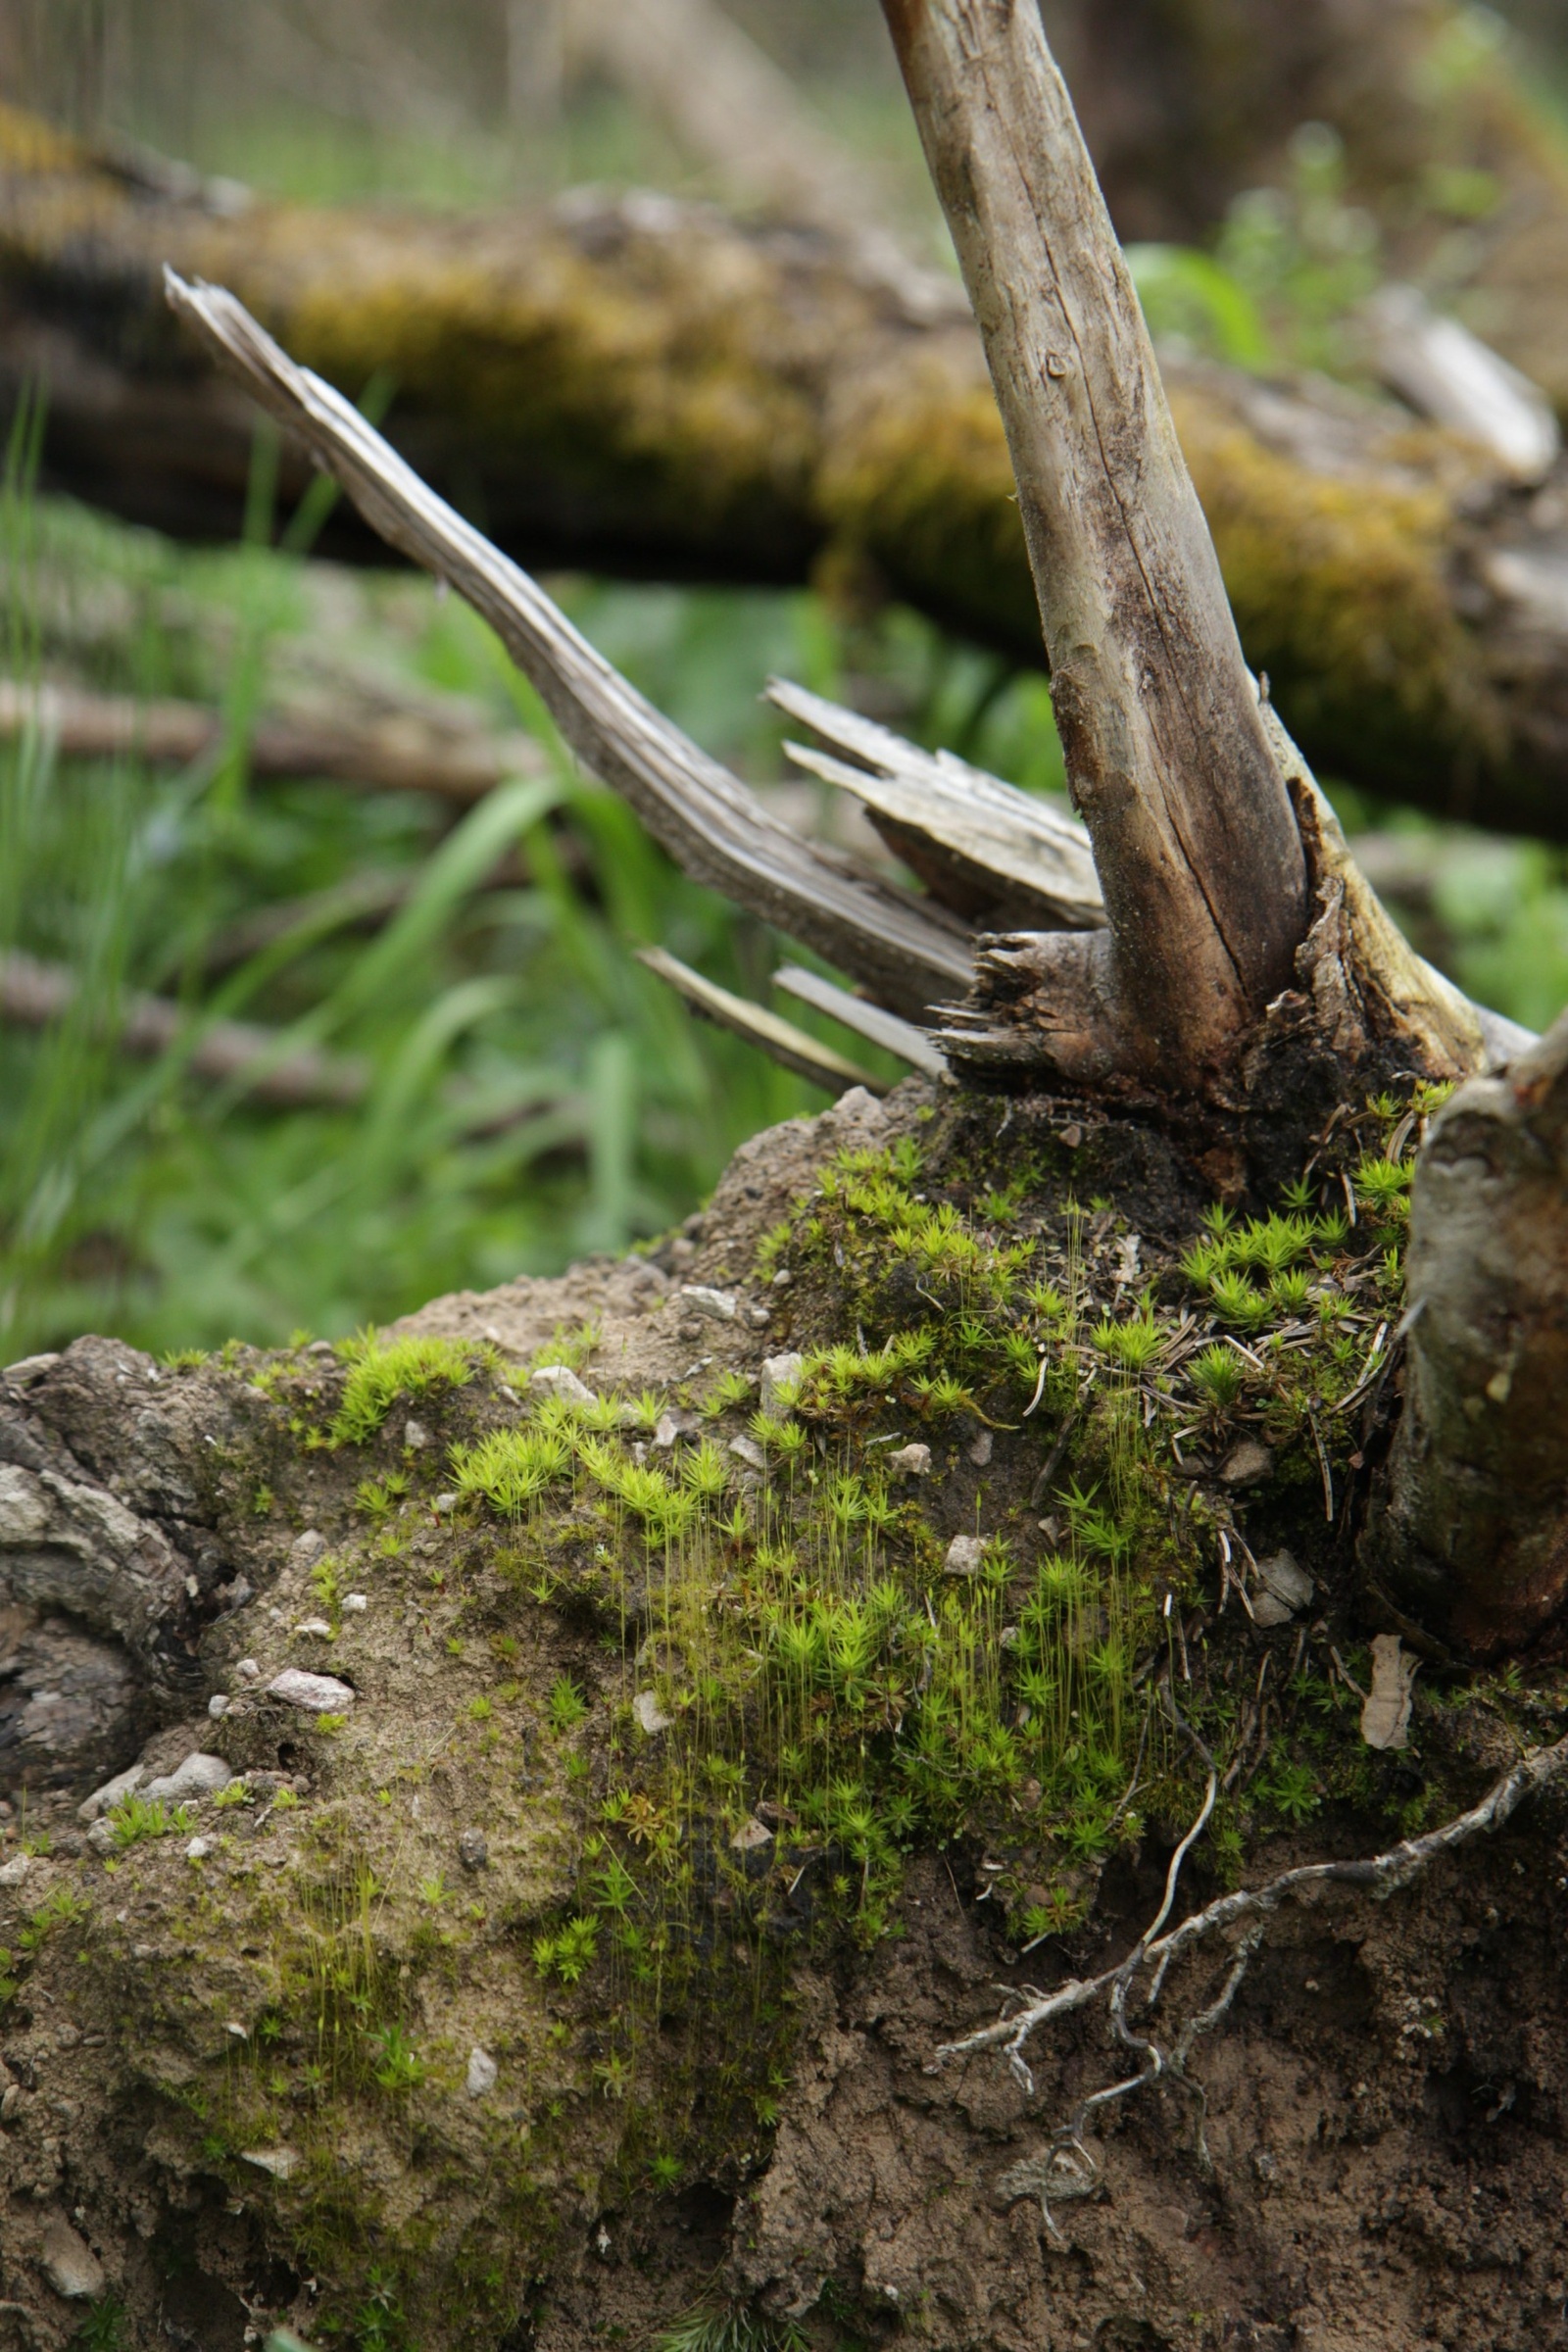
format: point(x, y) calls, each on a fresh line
point(929, 1519)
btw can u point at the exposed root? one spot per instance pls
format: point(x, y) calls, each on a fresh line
point(1069, 2170)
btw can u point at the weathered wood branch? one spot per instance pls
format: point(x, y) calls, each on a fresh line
point(781, 1041)
point(885, 1029)
point(1058, 1003)
point(400, 751)
point(260, 1063)
point(641, 386)
point(1195, 841)
point(714, 826)
point(1000, 857)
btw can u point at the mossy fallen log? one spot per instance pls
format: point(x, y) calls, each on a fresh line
point(641, 386)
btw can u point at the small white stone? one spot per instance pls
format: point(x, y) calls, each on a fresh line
point(747, 1451)
point(354, 1605)
point(911, 1462)
point(780, 1373)
point(699, 1299)
point(312, 1694)
point(317, 1626)
point(198, 1849)
point(69, 2264)
point(306, 1548)
point(750, 1836)
point(964, 1555)
point(216, 1705)
point(281, 2163)
point(110, 1793)
point(1283, 1587)
point(15, 1870)
point(650, 1714)
point(415, 1435)
point(101, 1838)
point(980, 1450)
point(197, 1776)
point(248, 1671)
point(559, 1380)
point(444, 1505)
point(482, 2073)
point(1246, 1463)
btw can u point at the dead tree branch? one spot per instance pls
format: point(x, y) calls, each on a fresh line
point(710, 823)
point(781, 1041)
point(1195, 843)
point(35, 994)
point(406, 750)
point(640, 385)
point(1360, 974)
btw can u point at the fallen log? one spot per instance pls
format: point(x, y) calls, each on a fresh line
point(35, 994)
point(404, 750)
point(641, 386)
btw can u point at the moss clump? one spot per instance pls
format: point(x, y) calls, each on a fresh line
point(381, 1371)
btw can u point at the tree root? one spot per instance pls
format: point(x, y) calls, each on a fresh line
point(1069, 2170)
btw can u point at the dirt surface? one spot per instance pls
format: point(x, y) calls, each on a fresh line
point(184, 2159)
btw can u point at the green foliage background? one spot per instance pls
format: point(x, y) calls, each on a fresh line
point(535, 1094)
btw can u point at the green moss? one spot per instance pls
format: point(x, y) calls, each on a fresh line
point(381, 1371)
point(714, 1699)
point(1341, 589)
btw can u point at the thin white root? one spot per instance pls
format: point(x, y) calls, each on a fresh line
point(1377, 1874)
point(1070, 2169)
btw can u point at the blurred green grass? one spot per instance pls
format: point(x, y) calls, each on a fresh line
point(535, 1094)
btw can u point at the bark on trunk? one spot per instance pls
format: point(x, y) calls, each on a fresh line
point(642, 387)
point(1474, 1535)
